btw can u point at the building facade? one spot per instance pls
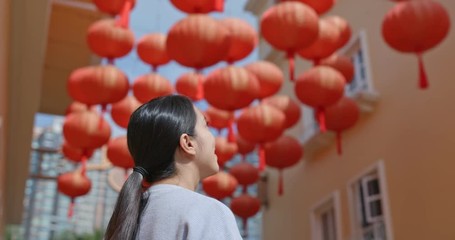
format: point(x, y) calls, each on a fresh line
point(394, 179)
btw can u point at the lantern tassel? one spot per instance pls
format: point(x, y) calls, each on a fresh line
point(200, 87)
point(339, 144)
point(126, 174)
point(243, 157)
point(231, 135)
point(154, 68)
point(125, 14)
point(423, 83)
point(321, 119)
point(245, 227)
point(103, 111)
point(244, 189)
point(219, 5)
point(84, 162)
point(71, 208)
point(261, 157)
point(290, 57)
point(280, 182)
point(316, 62)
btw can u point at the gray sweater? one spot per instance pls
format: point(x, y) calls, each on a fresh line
point(176, 213)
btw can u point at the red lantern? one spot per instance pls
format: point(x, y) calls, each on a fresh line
point(224, 150)
point(245, 207)
point(75, 154)
point(108, 40)
point(341, 116)
point(121, 111)
point(288, 106)
point(86, 130)
point(319, 88)
point(243, 39)
point(344, 28)
point(78, 107)
point(341, 63)
point(197, 41)
point(190, 85)
point(219, 119)
point(220, 185)
point(230, 88)
point(150, 86)
point(270, 77)
point(152, 50)
point(261, 124)
point(73, 185)
point(415, 27)
point(112, 7)
point(199, 6)
point(290, 26)
point(244, 146)
point(283, 153)
point(98, 85)
point(325, 45)
point(320, 6)
point(118, 153)
point(245, 173)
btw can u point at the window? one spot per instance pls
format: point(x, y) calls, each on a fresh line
point(357, 50)
point(360, 89)
point(370, 217)
point(325, 219)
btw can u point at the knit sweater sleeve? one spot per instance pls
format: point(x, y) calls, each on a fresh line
point(211, 220)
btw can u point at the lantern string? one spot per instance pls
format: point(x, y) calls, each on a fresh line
point(261, 157)
point(339, 144)
point(316, 62)
point(321, 119)
point(280, 182)
point(154, 68)
point(423, 82)
point(243, 157)
point(290, 56)
point(245, 189)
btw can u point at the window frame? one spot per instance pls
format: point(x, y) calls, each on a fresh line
point(377, 168)
point(330, 202)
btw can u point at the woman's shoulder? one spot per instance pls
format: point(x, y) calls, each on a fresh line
point(201, 215)
point(182, 195)
point(193, 201)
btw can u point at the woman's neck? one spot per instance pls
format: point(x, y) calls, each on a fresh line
point(181, 180)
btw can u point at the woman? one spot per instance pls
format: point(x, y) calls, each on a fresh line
point(173, 150)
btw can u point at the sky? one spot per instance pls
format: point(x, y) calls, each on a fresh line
point(151, 16)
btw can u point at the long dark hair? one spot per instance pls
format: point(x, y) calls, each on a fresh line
point(153, 136)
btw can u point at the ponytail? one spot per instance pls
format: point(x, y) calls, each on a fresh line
point(153, 135)
point(124, 222)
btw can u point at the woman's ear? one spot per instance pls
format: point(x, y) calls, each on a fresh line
point(187, 144)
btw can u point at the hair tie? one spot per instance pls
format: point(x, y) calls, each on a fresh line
point(141, 171)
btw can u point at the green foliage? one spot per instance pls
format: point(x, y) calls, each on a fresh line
point(13, 232)
point(68, 235)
